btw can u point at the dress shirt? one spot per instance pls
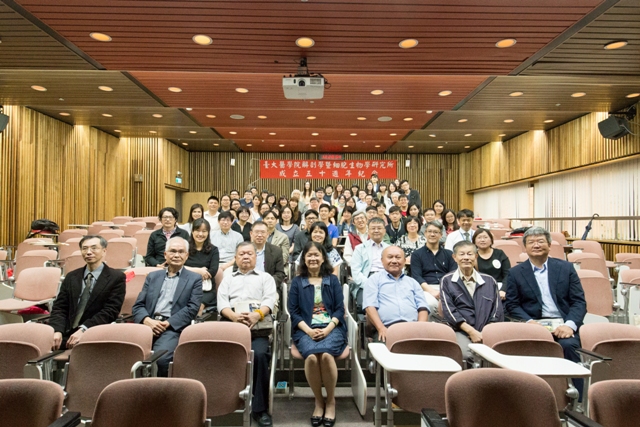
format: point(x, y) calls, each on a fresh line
point(395, 300)
point(254, 285)
point(549, 307)
point(376, 256)
point(95, 273)
point(260, 259)
point(427, 267)
point(226, 243)
point(213, 220)
point(165, 300)
point(457, 236)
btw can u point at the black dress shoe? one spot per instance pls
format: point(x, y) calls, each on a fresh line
point(329, 422)
point(316, 421)
point(263, 419)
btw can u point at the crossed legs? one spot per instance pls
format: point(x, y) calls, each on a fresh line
point(320, 369)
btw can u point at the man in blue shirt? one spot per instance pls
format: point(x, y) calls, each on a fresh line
point(392, 297)
point(323, 212)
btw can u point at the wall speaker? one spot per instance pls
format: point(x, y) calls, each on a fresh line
point(614, 127)
point(4, 120)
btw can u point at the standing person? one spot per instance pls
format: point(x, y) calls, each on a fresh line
point(439, 207)
point(247, 200)
point(296, 214)
point(234, 194)
point(286, 226)
point(296, 194)
point(242, 224)
point(412, 195)
point(169, 301)
point(89, 296)
point(465, 219)
point(375, 186)
point(158, 239)
point(337, 192)
point(225, 203)
point(276, 237)
point(340, 204)
point(493, 262)
point(413, 240)
point(328, 193)
point(318, 330)
point(369, 189)
point(307, 193)
point(403, 202)
point(196, 211)
point(226, 240)
point(450, 222)
point(204, 259)
point(382, 193)
point(395, 228)
point(255, 209)
point(211, 215)
point(323, 211)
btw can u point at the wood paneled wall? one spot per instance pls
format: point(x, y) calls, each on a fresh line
point(436, 176)
point(538, 153)
point(69, 174)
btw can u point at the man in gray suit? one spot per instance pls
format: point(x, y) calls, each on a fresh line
point(169, 301)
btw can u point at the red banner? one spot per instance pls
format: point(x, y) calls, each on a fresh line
point(319, 169)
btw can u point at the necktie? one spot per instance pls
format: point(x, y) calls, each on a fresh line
point(84, 298)
point(466, 236)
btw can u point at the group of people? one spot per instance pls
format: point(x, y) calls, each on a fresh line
point(403, 268)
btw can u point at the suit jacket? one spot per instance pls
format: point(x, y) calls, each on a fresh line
point(524, 300)
point(186, 300)
point(103, 306)
point(273, 263)
point(281, 240)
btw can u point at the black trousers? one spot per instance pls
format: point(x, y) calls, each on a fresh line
point(261, 362)
point(168, 340)
point(569, 347)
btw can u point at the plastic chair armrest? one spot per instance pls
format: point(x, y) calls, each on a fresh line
point(431, 418)
point(45, 357)
point(622, 262)
point(124, 318)
point(589, 357)
point(628, 284)
point(70, 419)
point(154, 357)
point(581, 420)
point(509, 318)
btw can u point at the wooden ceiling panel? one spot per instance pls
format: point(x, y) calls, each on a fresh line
point(320, 146)
point(523, 121)
point(125, 117)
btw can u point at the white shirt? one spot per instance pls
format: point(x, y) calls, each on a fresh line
point(255, 285)
point(213, 220)
point(457, 236)
point(347, 252)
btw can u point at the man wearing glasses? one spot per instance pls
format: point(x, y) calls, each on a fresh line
point(169, 301)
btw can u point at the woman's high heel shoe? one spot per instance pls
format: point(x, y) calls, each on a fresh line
point(317, 421)
point(329, 422)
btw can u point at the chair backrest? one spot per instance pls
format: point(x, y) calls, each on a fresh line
point(37, 284)
point(95, 228)
point(497, 234)
point(589, 246)
point(215, 353)
point(557, 251)
point(21, 342)
point(152, 402)
point(77, 233)
point(142, 237)
point(111, 234)
point(597, 292)
point(130, 228)
point(511, 248)
point(25, 247)
point(36, 258)
point(630, 276)
point(3, 255)
point(589, 261)
point(618, 341)
point(615, 403)
point(558, 237)
point(105, 354)
point(134, 287)
point(632, 259)
point(523, 257)
point(428, 339)
point(121, 219)
point(29, 402)
point(73, 262)
point(73, 245)
point(121, 252)
point(491, 397)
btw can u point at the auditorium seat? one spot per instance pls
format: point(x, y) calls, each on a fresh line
point(95, 228)
point(559, 237)
point(557, 251)
point(78, 233)
point(134, 287)
point(130, 228)
point(72, 245)
point(31, 259)
point(592, 247)
point(38, 285)
point(629, 260)
point(511, 248)
point(73, 262)
point(110, 233)
point(29, 402)
point(20, 343)
point(121, 253)
point(26, 246)
point(142, 237)
point(219, 355)
point(597, 293)
point(615, 403)
point(119, 220)
point(589, 261)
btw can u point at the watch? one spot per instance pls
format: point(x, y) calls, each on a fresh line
point(83, 328)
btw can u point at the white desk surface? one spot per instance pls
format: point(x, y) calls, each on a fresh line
point(397, 362)
point(548, 367)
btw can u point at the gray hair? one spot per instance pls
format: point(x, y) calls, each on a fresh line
point(395, 193)
point(376, 220)
point(536, 231)
point(174, 239)
point(464, 244)
point(434, 223)
point(103, 241)
point(243, 244)
point(358, 213)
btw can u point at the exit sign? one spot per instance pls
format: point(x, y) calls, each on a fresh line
point(331, 157)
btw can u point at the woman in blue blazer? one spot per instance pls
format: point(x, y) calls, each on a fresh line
point(316, 306)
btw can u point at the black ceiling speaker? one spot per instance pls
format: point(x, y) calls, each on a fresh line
point(614, 127)
point(4, 119)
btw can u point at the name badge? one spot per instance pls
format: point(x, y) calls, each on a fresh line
point(496, 263)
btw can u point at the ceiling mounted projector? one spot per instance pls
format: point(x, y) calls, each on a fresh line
point(304, 85)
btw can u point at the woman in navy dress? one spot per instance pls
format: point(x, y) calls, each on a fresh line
point(316, 306)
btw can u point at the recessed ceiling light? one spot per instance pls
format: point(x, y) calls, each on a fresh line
point(353, 134)
point(184, 143)
point(101, 37)
point(384, 119)
point(468, 134)
point(393, 134)
point(39, 88)
point(311, 117)
point(281, 145)
point(193, 131)
point(313, 145)
point(315, 134)
point(508, 120)
point(117, 130)
point(463, 121)
point(429, 111)
point(578, 94)
point(305, 42)
point(440, 146)
point(152, 131)
point(377, 92)
point(107, 115)
point(242, 90)
point(503, 134)
point(345, 146)
point(408, 43)
point(506, 43)
point(237, 116)
point(408, 119)
point(616, 44)
point(105, 88)
point(64, 114)
point(157, 116)
point(516, 94)
point(362, 118)
point(174, 89)
point(272, 133)
point(549, 121)
point(211, 116)
point(262, 117)
point(445, 93)
point(377, 146)
point(467, 146)
point(432, 135)
point(249, 145)
point(188, 108)
point(216, 144)
point(633, 95)
point(202, 39)
point(411, 146)
point(233, 132)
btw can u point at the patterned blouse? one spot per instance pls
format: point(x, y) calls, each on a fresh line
point(408, 246)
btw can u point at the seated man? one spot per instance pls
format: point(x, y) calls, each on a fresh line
point(547, 288)
point(395, 228)
point(470, 300)
point(371, 212)
point(403, 202)
point(465, 220)
point(361, 234)
point(430, 263)
point(74, 311)
point(392, 297)
point(247, 283)
point(226, 239)
point(302, 236)
point(169, 301)
point(367, 259)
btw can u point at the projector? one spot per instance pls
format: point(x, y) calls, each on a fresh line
point(303, 87)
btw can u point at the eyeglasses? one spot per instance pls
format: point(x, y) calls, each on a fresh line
point(87, 248)
point(434, 232)
point(168, 217)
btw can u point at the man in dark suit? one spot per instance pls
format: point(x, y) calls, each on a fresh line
point(269, 257)
point(89, 296)
point(544, 287)
point(169, 301)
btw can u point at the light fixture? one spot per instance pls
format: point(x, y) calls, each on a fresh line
point(101, 37)
point(202, 40)
point(549, 121)
point(468, 134)
point(501, 44)
point(408, 119)
point(184, 143)
point(272, 133)
point(313, 145)
point(39, 88)
point(157, 116)
point(237, 116)
point(615, 44)
point(410, 146)
point(107, 115)
point(508, 120)
point(105, 88)
point(514, 94)
point(281, 145)
point(463, 121)
point(315, 134)
point(216, 144)
point(193, 132)
point(408, 43)
point(633, 95)
point(393, 134)
point(432, 135)
point(64, 114)
point(211, 116)
point(578, 94)
point(152, 131)
point(249, 145)
point(440, 146)
point(305, 42)
point(311, 117)
point(233, 133)
point(377, 146)
point(353, 134)
point(445, 93)
point(362, 118)
point(188, 108)
point(262, 117)
point(384, 119)
point(345, 146)
point(429, 111)
point(174, 89)
point(503, 134)
point(467, 146)
point(117, 130)
point(242, 90)
point(377, 92)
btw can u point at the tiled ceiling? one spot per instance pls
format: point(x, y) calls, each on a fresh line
point(559, 51)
